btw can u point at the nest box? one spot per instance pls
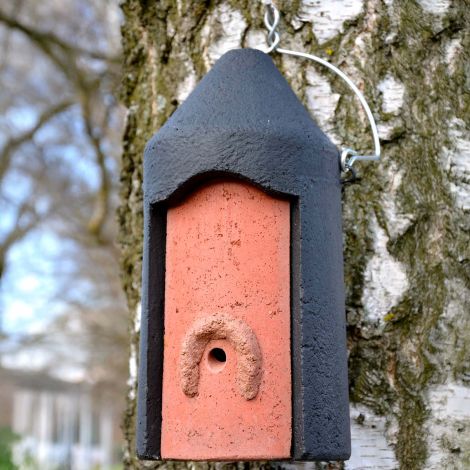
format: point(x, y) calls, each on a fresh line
point(243, 341)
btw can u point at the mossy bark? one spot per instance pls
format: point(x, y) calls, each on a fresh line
point(405, 223)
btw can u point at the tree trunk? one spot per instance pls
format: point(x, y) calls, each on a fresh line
point(406, 224)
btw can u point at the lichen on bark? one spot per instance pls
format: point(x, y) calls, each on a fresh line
point(406, 243)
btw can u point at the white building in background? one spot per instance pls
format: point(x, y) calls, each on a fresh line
point(61, 426)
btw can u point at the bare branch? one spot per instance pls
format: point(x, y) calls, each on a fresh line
point(26, 219)
point(45, 40)
point(15, 142)
point(6, 44)
point(101, 209)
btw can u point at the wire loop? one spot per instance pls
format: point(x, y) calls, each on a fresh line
point(271, 20)
point(348, 155)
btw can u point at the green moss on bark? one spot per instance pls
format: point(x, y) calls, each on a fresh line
point(392, 365)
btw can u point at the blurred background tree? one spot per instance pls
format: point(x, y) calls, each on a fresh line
point(62, 311)
point(60, 149)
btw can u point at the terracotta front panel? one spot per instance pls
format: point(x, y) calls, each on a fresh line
point(227, 305)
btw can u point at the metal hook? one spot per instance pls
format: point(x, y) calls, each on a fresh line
point(348, 156)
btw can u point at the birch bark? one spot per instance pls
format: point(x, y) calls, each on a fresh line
point(406, 224)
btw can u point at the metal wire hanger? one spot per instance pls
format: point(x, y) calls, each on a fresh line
point(348, 155)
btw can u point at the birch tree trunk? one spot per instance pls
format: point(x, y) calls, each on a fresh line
point(406, 223)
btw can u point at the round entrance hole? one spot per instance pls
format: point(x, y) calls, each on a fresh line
point(216, 359)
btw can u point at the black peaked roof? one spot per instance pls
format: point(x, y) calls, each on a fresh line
point(242, 118)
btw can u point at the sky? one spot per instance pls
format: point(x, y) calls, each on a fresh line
point(29, 284)
point(30, 301)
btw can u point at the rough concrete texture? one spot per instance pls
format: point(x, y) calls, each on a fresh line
point(242, 339)
point(244, 120)
point(227, 287)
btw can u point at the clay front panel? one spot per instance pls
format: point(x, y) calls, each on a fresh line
point(227, 360)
